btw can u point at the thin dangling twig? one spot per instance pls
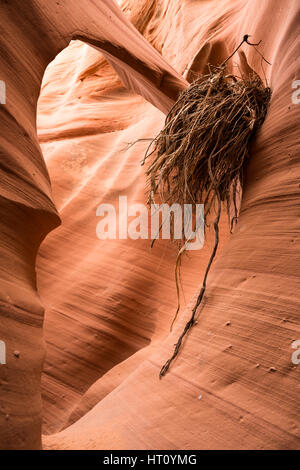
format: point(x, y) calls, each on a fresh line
point(245, 39)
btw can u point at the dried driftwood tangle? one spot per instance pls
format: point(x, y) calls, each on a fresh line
point(200, 154)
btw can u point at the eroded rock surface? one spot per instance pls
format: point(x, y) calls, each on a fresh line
point(109, 304)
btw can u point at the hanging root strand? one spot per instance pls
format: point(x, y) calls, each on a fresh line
point(191, 321)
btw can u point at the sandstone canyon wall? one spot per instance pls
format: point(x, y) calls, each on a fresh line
point(32, 34)
point(108, 304)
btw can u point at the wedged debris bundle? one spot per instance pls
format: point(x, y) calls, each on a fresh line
point(200, 154)
point(201, 151)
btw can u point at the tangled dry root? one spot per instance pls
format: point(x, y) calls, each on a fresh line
point(204, 145)
point(201, 153)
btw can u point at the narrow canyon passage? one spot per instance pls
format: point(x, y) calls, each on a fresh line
point(108, 298)
point(101, 309)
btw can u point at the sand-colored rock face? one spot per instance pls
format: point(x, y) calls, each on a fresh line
point(108, 304)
